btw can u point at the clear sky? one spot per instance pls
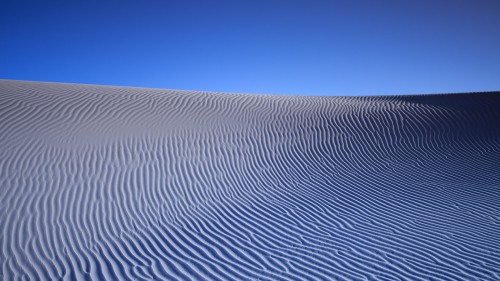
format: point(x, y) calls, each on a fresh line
point(301, 47)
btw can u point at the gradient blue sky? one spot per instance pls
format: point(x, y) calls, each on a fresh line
point(257, 46)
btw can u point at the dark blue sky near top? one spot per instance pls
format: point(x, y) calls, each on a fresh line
point(300, 47)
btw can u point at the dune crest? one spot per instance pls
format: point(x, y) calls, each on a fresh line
point(117, 183)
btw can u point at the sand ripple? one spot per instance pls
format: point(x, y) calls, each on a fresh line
point(116, 183)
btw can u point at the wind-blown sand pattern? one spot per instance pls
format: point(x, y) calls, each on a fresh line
point(117, 183)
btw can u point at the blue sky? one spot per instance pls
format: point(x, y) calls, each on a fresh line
point(257, 46)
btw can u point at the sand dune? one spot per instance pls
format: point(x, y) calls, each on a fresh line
point(117, 183)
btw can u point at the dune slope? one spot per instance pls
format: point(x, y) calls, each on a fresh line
point(117, 183)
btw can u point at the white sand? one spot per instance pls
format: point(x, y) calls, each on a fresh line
point(124, 183)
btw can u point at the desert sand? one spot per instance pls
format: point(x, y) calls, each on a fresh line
point(121, 183)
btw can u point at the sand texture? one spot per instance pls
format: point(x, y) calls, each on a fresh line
point(119, 183)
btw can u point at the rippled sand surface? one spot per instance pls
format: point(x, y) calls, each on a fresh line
point(117, 183)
